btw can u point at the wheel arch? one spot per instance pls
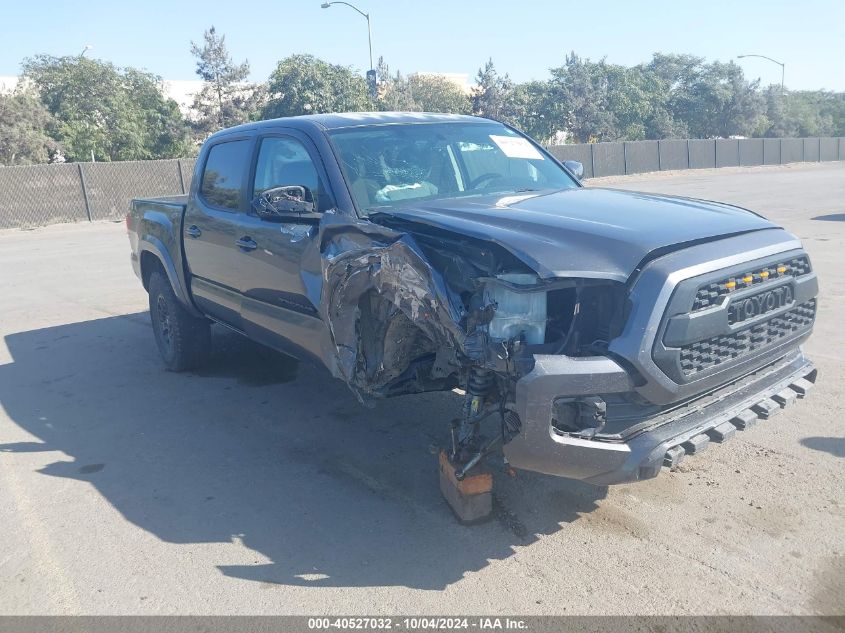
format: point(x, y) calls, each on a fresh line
point(155, 256)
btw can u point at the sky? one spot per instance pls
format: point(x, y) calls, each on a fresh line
point(524, 38)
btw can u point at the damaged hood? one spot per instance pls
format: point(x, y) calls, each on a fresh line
point(584, 232)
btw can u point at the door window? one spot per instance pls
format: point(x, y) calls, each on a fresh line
point(224, 174)
point(284, 161)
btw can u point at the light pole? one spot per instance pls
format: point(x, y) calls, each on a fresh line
point(87, 48)
point(781, 64)
point(371, 74)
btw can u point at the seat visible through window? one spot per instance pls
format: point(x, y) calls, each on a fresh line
point(284, 161)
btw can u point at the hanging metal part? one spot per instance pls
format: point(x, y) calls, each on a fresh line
point(479, 384)
point(598, 408)
point(461, 473)
point(453, 430)
point(480, 381)
point(511, 424)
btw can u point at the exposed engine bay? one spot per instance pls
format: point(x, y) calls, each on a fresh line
point(439, 311)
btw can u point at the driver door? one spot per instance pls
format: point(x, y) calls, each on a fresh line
point(275, 309)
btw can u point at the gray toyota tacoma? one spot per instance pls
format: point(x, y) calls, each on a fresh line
point(594, 334)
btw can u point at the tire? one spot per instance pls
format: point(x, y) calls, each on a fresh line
point(183, 340)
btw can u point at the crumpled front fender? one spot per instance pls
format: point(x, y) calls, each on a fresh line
point(356, 258)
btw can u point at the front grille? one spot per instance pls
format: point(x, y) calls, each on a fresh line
point(712, 293)
point(702, 355)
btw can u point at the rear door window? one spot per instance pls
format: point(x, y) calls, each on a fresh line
point(224, 174)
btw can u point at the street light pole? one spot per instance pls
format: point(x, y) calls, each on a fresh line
point(326, 5)
point(781, 64)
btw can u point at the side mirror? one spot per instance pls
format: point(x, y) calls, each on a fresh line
point(575, 167)
point(286, 203)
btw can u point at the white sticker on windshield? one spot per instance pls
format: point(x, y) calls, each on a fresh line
point(516, 147)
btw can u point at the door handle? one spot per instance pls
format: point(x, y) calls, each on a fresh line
point(246, 243)
point(193, 231)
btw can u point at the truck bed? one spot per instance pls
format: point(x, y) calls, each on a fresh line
point(180, 200)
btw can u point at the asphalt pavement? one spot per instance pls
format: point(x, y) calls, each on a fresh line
point(260, 485)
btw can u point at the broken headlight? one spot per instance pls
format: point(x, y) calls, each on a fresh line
point(520, 308)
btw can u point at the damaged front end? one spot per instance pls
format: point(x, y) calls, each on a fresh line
point(571, 374)
point(413, 308)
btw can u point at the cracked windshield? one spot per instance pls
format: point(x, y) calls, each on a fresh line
point(397, 164)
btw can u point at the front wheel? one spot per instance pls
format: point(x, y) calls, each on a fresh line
point(183, 340)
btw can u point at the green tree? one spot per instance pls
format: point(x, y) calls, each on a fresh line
point(303, 84)
point(836, 103)
point(597, 101)
point(111, 113)
point(775, 122)
point(713, 100)
point(721, 102)
point(24, 123)
point(162, 127)
point(394, 91)
point(637, 100)
point(433, 93)
point(803, 113)
point(226, 98)
point(580, 90)
point(493, 94)
point(677, 72)
point(533, 110)
point(419, 93)
point(395, 95)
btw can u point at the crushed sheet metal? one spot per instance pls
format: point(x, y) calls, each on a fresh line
point(359, 257)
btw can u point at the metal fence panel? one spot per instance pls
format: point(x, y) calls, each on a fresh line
point(111, 186)
point(702, 153)
point(727, 152)
point(581, 152)
point(641, 156)
point(186, 167)
point(751, 151)
point(812, 149)
point(608, 159)
point(36, 195)
point(791, 150)
point(771, 151)
point(828, 149)
point(674, 154)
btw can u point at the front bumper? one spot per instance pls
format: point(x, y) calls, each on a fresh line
point(663, 439)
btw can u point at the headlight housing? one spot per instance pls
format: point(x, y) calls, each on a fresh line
point(518, 311)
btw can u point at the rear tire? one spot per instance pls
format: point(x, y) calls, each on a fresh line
point(183, 340)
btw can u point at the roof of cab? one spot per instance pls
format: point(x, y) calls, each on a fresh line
point(340, 120)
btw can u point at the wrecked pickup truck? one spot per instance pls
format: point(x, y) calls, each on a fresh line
point(594, 334)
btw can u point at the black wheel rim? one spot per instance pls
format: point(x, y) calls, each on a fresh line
point(164, 323)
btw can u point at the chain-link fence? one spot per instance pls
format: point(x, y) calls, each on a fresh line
point(37, 195)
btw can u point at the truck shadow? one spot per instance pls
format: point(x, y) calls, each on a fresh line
point(266, 452)
point(833, 445)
